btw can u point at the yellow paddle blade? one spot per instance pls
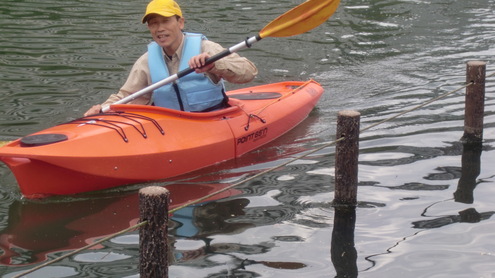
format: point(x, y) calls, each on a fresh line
point(3, 143)
point(300, 19)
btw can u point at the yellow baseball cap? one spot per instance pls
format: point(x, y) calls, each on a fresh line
point(165, 8)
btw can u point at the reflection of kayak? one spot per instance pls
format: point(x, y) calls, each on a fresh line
point(37, 229)
point(143, 143)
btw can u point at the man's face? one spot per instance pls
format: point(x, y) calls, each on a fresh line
point(167, 32)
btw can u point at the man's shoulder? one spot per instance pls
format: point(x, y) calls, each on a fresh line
point(143, 57)
point(211, 46)
point(142, 61)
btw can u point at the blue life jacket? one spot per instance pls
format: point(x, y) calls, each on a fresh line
point(193, 92)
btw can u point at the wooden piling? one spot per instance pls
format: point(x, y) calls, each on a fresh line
point(475, 102)
point(346, 158)
point(153, 245)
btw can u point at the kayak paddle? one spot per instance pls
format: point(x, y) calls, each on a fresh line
point(298, 20)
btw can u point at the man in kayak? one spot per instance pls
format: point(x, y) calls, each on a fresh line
point(174, 50)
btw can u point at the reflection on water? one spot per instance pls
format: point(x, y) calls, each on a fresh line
point(470, 170)
point(471, 156)
point(425, 199)
point(468, 215)
point(36, 229)
point(343, 251)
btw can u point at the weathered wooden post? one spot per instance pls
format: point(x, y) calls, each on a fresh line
point(475, 102)
point(153, 245)
point(346, 158)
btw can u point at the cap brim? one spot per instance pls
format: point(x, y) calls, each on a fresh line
point(165, 14)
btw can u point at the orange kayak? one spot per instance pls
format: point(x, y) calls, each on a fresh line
point(136, 143)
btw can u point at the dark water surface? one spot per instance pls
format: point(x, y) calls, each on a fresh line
point(426, 200)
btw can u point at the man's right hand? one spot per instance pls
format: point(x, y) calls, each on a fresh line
point(93, 110)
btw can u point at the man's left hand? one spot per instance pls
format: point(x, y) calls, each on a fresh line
point(198, 63)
